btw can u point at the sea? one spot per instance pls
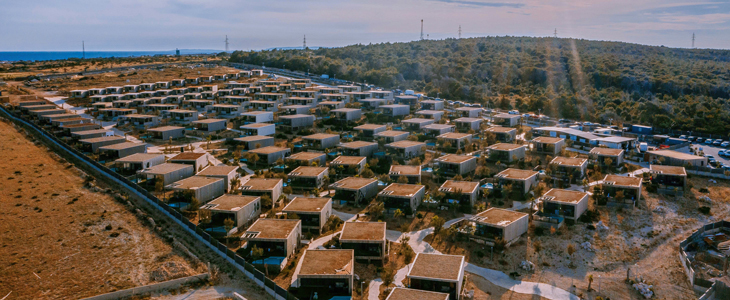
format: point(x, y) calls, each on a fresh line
point(58, 55)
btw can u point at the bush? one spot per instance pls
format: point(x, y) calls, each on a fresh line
point(704, 210)
point(539, 231)
point(704, 190)
point(419, 215)
point(591, 227)
point(480, 254)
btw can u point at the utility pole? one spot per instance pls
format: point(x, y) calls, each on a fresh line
point(226, 43)
point(556, 32)
point(83, 50)
point(422, 29)
point(693, 40)
point(305, 42)
point(459, 31)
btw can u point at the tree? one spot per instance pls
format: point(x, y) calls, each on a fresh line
point(266, 201)
point(367, 173)
point(159, 185)
point(256, 253)
point(437, 223)
point(570, 249)
point(537, 247)
point(228, 225)
point(402, 179)
point(415, 162)
point(619, 196)
point(376, 209)
point(590, 281)
point(398, 213)
point(208, 138)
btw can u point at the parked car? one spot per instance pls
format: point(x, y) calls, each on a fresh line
point(684, 137)
point(717, 142)
point(564, 121)
point(691, 138)
point(725, 144)
point(699, 140)
point(721, 153)
point(514, 112)
point(708, 142)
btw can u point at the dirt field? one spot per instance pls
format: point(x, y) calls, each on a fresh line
point(61, 240)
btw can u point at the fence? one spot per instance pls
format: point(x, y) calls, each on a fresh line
point(170, 284)
point(203, 239)
point(697, 282)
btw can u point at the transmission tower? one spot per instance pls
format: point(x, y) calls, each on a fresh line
point(226, 43)
point(304, 46)
point(83, 50)
point(693, 40)
point(422, 29)
point(556, 32)
point(459, 31)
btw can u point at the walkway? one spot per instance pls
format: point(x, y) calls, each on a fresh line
point(522, 287)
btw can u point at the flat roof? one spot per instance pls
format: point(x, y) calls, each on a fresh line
point(138, 157)
point(230, 202)
point(194, 182)
point(437, 266)
point(569, 161)
point(120, 146)
point(365, 231)
point(353, 183)
point(499, 217)
point(417, 120)
point(327, 262)
point(438, 126)
point(307, 204)
point(564, 196)
point(369, 127)
point(81, 125)
point(345, 109)
point(505, 146)
point(402, 190)
point(468, 120)
point(400, 293)
point(165, 168)
point(348, 160)
point(622, 181)
point(501, 129)
point(429, 112)
point(405, 144)
point(606, 151)
point(676, 154)
point(262, 184)
point(464, 108)
point(516, 174)
point(569, 131)
point(357, 144)
point(547, 140)
point(269, 150)
point(208, 121)
point(464, 186)
point(273, 228)
point(253, 138)
point(306, 171)
point(165, 128)
point(506, 116)
point(455, 158)
point(257, 125)
point(297, 116)
point(394, 105)
point(253, 113)
point(668, 170)
point(616, 139)
point(454, 135)
point(306, 155)
point(391, 133)
point(92, 131)
point(320, 136)
point(405, 170)
point(188, 156)
point(182, 111)
point(102, 139)
point(218, 170)
point(432, 101)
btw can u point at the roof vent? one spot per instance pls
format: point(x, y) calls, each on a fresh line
point(386, 192)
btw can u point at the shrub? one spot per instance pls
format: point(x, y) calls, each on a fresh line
point(704, 190)
point(704, 210)
point(591, 227)
point(419, 215)
point(539, 231)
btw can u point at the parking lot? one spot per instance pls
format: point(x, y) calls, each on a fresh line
point(713, 150)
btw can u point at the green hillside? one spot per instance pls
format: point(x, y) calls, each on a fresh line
point(685, 89)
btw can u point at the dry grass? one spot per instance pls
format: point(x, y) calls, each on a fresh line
point(62, 240)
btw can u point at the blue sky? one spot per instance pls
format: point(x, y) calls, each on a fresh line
point(190, 24)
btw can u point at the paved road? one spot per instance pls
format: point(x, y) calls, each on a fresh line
point(712, 150)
